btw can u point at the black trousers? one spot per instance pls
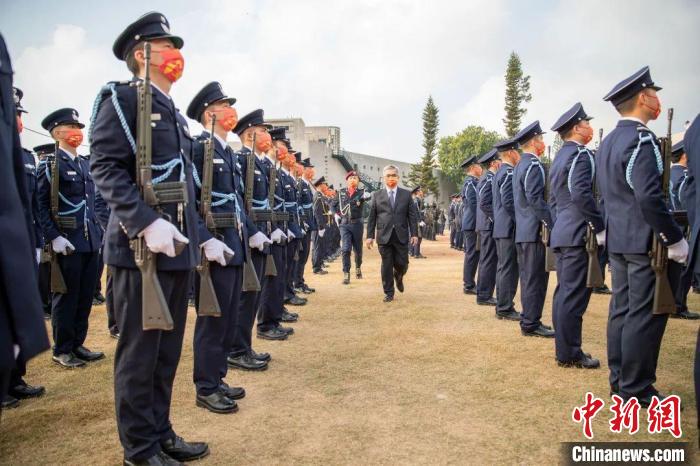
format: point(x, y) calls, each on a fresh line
point(70, 311)
point(684, 283)
point(506, 274)
point(145, 362)
point(272, 293)
point(109, 301)
point(243, 336)
point(570, 301)
point(453, 235)
point(603, 259)
point(394, 262)
point(533, 283)
point(45, 286)
point(304, 255)
point(634, 333)
point(351, 239)
point(292, 250)
point(488, 261)
point(318, 250)
point(100, 269)
point(213, 336)
point(471, 259)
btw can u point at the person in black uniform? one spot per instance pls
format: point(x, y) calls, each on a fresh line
point(78, 247)
point(488, 259)
point(294, 231)
point(18, 388)
point(469, 201)
point(306, 203)
point(629, 176)
point(320, 212)
point(22, 330)
point(213, 336)
point(146, 360)
point(42, 152)
point(417, 197)
point(351, 203)
point(571, 199)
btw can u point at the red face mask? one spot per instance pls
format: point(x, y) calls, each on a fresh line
point(263, 142)
point(539, 147)
point(587, 133)
point(309, 173)
point(299, 170)
point(226, 117)
point(352, 183)
point(392, 182)
point(72, 136)
point(282, 153)
point(656, 109)
point(173, 64)
point(20, 125)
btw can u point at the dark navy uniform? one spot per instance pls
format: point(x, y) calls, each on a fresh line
point(350, 208)
point(629, 177)
point(488, 258)
point(70, 311)
point(504, 234)
point(42, 152)
point(531, 211)
point(295, 227)
point(320, 213)
point(471, 255)
point(306, 201)
point(145, 361)
point(21, 320)
point(571, 197)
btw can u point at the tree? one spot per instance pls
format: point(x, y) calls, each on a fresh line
point(517, 93)
point(422, 172)
point(453, 150)
point(556, 145)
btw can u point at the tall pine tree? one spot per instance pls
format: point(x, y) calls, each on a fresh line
point(517, 93)
point(422, 172)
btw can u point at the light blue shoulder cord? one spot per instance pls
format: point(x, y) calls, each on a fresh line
point(630, 165)
point(581, 150)
point(505, 179)
point(75, 207)
point(682, 186)
point(223, 197)
point(527, 173)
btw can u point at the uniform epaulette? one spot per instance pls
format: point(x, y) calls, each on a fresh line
point(109, 91)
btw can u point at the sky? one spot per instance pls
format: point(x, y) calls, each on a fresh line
point(369, 66)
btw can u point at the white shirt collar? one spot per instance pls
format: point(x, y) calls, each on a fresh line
point(71, 156)
point(633, 119)
point(390, 190)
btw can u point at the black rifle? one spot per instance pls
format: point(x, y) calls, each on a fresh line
point(58, 283)
point(270, 268)
point(594, 273)
point(664, 299)
point(550, 264)
point(156, 314)
point(250, 277)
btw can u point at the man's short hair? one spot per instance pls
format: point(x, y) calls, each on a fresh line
point(390, 168)
point(627, 106)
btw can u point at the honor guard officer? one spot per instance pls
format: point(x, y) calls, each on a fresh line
point(504, 230)
point(146, 360)
point(531, 211)
point(213, 335)
point(351, 202)
point(488, 259)
point(252, 129)
point(417, 195)
point(320, 212)
point(571, 197)
point(76, 241)
point(306, 203)
point(629, 176)
point(470, 199)
point(450, 218)
point(18, 388)
point(42, 152)
point(682, 192)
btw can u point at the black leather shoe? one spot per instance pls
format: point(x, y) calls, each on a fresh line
point(586, 362)
point(301, 289)
point(234, 393)
point(217, 403)
point(246, 363)
point(114, 335)
point(308, 289)
point(23, 390)
point(47, 316)
point(259, 356)
point(346, 278)
point(421, 256)
point(685, 314)
point(486, 302)
point(540, 331)
point(399, 282)
point(287, 330)
point(272, 334)
point(358, 272)
point(601, 290)
point(68, 360)
point(508, 315)
point(179, 450)
point(87, 355)
point(296, 301)
point(159, 459)
point(469, 290)
point(9, 402)
point(548, 327)
point(99, 298)
point(289, 317)
point(388, 298)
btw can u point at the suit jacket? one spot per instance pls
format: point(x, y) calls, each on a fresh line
point(21, 315)
point(484, 211)
point(469, 201)
point(503, 206)
point(531, 209)
point(383, 219)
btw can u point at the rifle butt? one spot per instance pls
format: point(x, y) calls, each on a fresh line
point(58, 284)
point(155, 312)
point(207, 304)
point(594, 275)
point(550, 262)
point(270, 268)
point(250, 278)
point(664, 299)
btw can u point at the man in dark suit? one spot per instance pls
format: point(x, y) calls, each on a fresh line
point(392, 215)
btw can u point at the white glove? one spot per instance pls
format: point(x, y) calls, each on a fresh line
point(61, 245)
point(679, 252)
point(160, 237)
point(258, 241)
point(366, 195)
point(214, 250)
point(321, 232)
point(600, 238)
point(290, 235)
point(337, 218)
point(277, 236)
point(38, 255)
point(421, 224)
